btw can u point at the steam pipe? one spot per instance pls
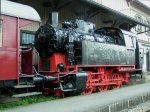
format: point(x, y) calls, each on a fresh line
point(41, 79)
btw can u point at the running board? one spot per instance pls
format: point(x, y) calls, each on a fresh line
point(130, 70)
point(26, 94)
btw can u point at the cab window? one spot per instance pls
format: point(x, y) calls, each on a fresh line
point(129, 41)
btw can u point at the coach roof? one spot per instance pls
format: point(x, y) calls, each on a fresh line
point(19, 10)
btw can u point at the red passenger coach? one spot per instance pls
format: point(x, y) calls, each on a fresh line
point(13, 17)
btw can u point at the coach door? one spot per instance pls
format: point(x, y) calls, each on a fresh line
point(0, 33)
point(148, 59)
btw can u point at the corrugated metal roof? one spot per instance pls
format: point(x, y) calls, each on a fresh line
point(19, 10)
point(145, 3)
point(116, 13)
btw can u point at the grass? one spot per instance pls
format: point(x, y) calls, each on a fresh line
point(26, 101)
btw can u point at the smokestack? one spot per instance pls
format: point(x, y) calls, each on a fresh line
point(54, 18)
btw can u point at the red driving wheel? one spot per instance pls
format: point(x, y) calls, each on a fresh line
point(103, 88)
point(116, 78)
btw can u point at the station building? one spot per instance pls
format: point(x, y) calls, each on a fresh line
point(130, 15)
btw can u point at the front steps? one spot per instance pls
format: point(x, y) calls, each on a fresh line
point(25, 90)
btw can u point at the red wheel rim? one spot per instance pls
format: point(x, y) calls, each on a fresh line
point(116, 78)
point(115, 86)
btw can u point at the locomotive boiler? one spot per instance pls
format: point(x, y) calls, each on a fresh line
point(85, 59)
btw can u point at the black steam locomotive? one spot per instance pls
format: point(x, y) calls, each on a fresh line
point(84, 59)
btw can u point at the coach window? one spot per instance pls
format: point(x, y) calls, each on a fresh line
point(27, 38)
point(0, 33)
